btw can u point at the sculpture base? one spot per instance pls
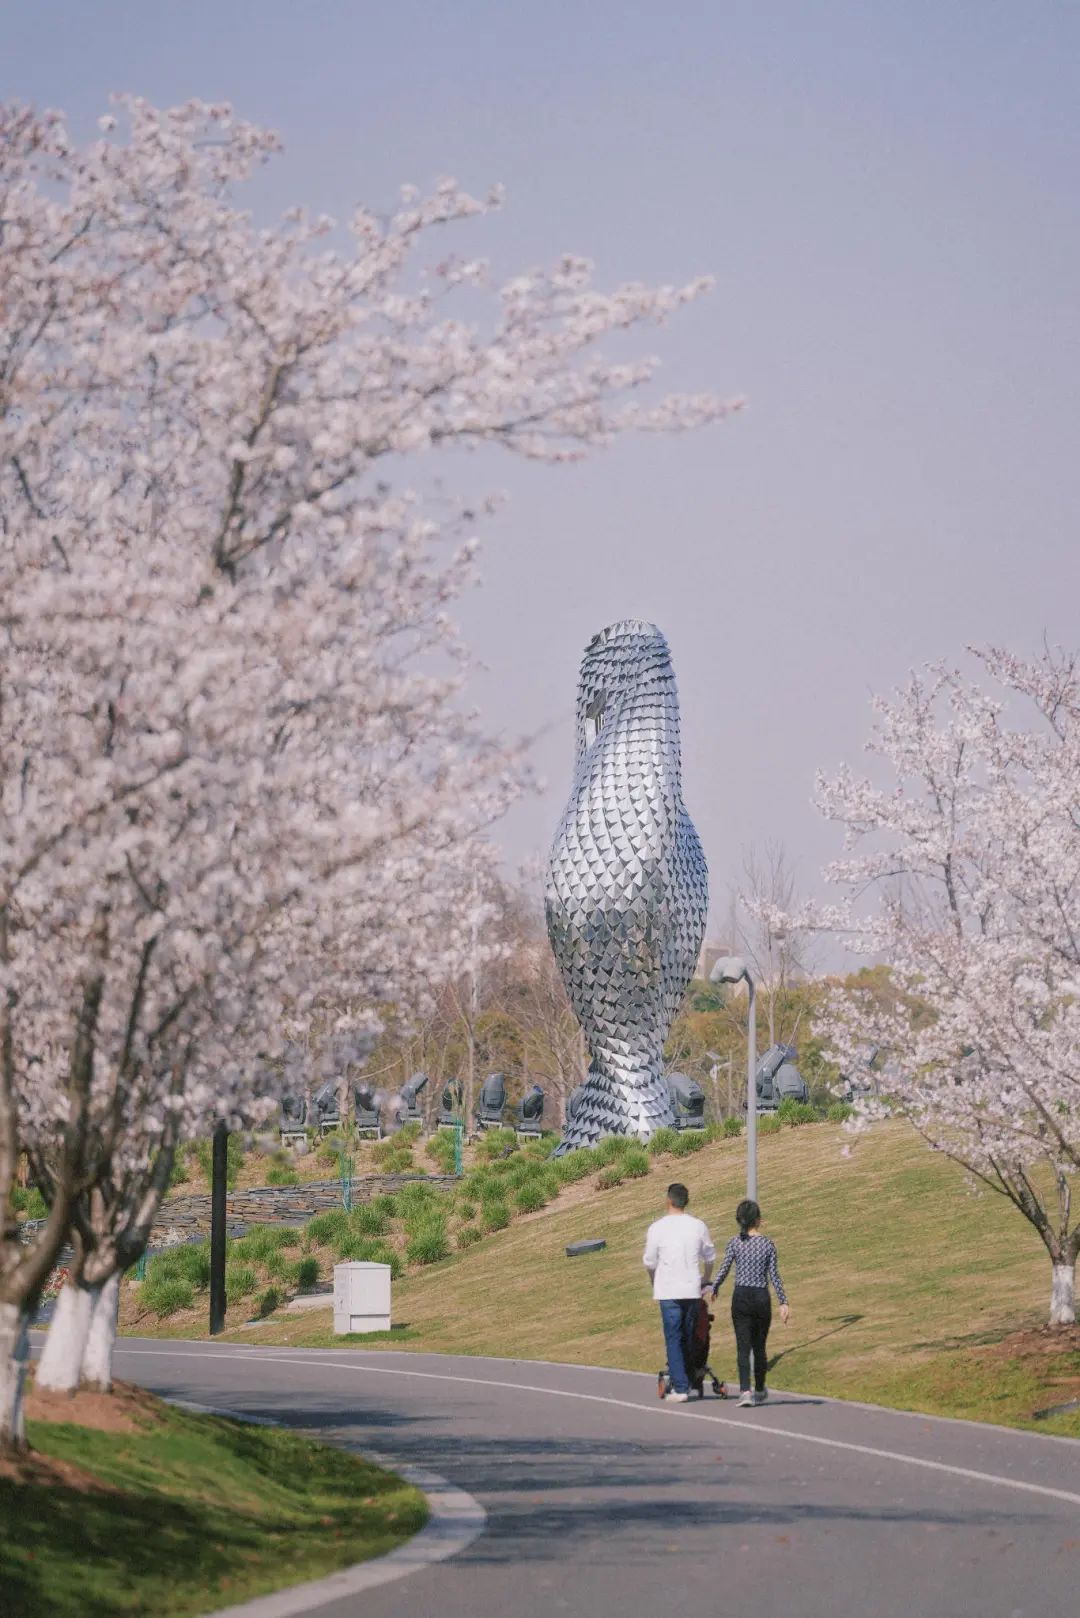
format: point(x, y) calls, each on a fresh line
point(634, 1107)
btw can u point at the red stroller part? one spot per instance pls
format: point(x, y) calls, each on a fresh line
point(698, 1368)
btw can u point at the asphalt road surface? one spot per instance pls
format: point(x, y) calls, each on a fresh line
point(605, 1503)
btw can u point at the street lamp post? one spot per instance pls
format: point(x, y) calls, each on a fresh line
point(218, 1183)
point(733, 969)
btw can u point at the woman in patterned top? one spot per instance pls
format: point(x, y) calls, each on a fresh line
point(754, 1258)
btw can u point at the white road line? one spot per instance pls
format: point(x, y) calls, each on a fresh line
point(455, 1520)
point(924, 1417)
point(745, 1426)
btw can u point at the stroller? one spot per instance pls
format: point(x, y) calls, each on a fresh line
point(698, 1360)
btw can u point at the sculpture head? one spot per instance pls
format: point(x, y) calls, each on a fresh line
point(625, 658)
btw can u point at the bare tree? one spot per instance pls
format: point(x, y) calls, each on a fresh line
point(780, 952)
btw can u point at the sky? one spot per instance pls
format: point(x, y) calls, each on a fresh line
point(887, 197)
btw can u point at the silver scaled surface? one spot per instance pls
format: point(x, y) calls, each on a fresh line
point(627, 891)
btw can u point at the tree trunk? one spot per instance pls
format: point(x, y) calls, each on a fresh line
point(1063, 1295)
point(14, 1356)
point(60, 1366)
point(101, 1337)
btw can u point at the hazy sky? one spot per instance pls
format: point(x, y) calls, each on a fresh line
point(887, 195)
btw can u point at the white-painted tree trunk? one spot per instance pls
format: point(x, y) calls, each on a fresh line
point(1063, 1295)
point(14, 1357)
point(60, 1366)
point(101, 1338)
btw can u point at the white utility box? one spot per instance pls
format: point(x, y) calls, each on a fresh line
point(361, 1297)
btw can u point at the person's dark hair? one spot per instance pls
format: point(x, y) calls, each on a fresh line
point(747, 1215)
point(678, 1195)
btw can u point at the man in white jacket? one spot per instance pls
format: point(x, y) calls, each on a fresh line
point(676, 1248)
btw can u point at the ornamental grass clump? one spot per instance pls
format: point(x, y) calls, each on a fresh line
point(166, 1295)
point(634, 1165)
point(530, 1198)
point(305, 1272)
point(428, 1244)
point(494, 1215)
point(241, 1280)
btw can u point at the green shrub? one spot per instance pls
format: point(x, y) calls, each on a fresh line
point(611, 1148)
point(386, 1203)
point(179, 1171)
point(383, 1253)
point(282, 1174)
point(468, 1236)
point(262, 1240)
point(497, 1141)
point(795, 1112)
point(769, 1124)
point(466, 1210)
point(689, 1141)
point(240, 1280)
point(714, 1132)
point(838, 1111)
point(394, 1155)
point(610, 1177)
point(634, 1165)
point(369, 1221)
point(494, 1215)
point(520, 1170)
point(428, 1245)
point(733, 1126)
point(276, 1266)
point(270, 1300)
point(492, 1191)
point(577, 1165)
point(305, 1272)
point(440, 1148)
point(415, 1195)
point(354, 1246)
point(166, 1295)
point(188, 1262)
point(530, 1198)
point(664, 1140)
point(329, 1226)
point(550, 1182)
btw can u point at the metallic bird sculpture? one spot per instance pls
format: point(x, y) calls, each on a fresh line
point(627, 889)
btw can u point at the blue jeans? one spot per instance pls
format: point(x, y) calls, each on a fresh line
point(678, 1316)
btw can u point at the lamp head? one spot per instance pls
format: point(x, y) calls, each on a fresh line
point(729, 969)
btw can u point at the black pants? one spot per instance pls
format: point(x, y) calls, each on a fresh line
point(751, 1315)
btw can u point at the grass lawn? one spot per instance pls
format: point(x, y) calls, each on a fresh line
point(176, 1514)
point(907, 1289)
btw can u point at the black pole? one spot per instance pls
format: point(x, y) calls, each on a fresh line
point(217, 1228)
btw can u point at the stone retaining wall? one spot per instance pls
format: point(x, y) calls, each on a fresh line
point(267, 1204)
point(290, 1203)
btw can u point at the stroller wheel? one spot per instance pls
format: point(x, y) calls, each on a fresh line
point(661, 1385)
point(719, 1389)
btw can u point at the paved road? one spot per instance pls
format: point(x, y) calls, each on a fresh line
point(603, 1502)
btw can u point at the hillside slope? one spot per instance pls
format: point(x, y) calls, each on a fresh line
point(907, 1288)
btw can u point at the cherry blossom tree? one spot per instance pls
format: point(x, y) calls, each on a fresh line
point(972, 848)
point(238, 778)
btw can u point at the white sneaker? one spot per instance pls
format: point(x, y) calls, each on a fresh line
point(745, 1400)
point(761, 1396)
point(678, 1398)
